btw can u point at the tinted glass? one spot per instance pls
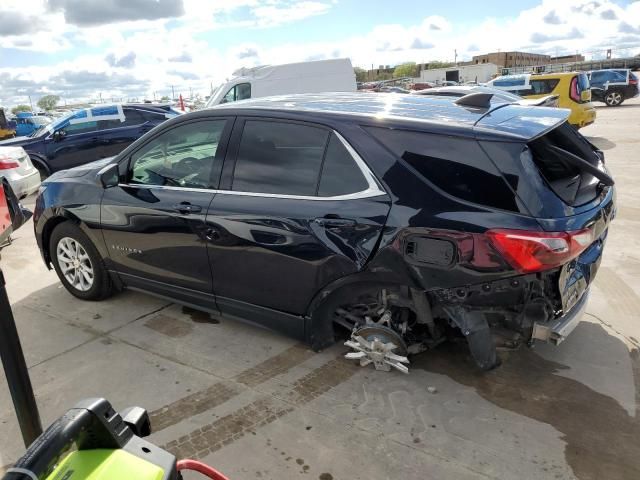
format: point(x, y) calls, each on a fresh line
point(230, 96)
point(83, 127)
point(457, 166)
point(281, 158)
point(181, 157)
point(540, 87)
point(340, 174)
point(243, 91)
point(132, 117)
point(598, 78)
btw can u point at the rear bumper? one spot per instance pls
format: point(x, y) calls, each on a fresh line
point(25, 185)
point(556, 331)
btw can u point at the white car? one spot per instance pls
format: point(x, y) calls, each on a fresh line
point(16, 167)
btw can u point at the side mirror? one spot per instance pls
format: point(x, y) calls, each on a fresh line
point(110, 176)
point(59, 135)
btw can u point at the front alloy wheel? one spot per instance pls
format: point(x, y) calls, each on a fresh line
point(78, 263)
point(613, 99)
point(75, 264)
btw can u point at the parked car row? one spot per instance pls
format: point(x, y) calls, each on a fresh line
point(88, 134)
point(613, 86)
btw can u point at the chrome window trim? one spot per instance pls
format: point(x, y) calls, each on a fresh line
point(374, 188)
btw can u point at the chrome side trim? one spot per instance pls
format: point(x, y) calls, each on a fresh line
point(374, 189)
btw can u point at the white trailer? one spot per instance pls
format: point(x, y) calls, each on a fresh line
point(334, 75)
point(480, 73)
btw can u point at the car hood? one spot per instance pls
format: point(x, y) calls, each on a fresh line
point(18, 141)
point(80, 171)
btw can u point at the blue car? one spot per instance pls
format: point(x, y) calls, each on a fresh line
point(89, 134)
point(27, 123)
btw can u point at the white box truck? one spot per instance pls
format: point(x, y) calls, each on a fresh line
point(334, 75)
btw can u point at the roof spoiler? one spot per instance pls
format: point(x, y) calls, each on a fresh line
point(478, 100)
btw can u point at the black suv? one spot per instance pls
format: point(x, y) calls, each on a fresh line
point(89, 134)
point(613, 86)
point(404, 219)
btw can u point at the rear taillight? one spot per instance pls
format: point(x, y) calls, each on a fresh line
point(633, 81)
point(8, 162)
point(536, 251)
point(574, 92)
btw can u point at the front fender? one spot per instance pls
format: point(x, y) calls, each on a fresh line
point(80, 205)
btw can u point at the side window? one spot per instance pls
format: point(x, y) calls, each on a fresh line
point(540, 87)
point(456, 166)
point(84, 127)
point(132, 117)
point(181, 157)
point(340, 173)
point(230, 96)
point(280, 158)
point(596, 78)
point(241, 91)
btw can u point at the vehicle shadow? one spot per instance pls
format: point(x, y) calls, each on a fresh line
point(601, 436)
point(601, 142)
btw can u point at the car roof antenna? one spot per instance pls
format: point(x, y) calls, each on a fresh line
point(478, 100)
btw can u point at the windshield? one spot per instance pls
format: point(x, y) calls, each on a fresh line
point(213, 95)
point(61, 122)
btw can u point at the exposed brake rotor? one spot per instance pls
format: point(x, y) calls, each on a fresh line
point(376, 344)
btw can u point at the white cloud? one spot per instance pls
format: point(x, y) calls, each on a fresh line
point(164, 52)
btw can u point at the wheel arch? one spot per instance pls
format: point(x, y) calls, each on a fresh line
point(58, 218)
point(319, 331)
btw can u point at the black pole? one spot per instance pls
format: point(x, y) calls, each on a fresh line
point(15, 369)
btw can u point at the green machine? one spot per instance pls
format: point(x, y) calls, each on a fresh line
point(94, 442)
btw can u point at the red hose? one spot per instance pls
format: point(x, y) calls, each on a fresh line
point(200, 467)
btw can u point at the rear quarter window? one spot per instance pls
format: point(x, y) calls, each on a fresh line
point(454, 165)
point(540, 87)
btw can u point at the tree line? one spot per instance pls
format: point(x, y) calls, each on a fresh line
point(407, 69)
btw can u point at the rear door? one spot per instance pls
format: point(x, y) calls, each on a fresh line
point(154, 221)
point(298, 208)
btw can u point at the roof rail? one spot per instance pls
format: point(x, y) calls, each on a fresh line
point(478, 100)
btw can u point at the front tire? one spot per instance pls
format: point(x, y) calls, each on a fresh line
point(78, 263)
point(613, 99)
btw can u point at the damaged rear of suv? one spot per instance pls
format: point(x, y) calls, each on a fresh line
point(497, 234)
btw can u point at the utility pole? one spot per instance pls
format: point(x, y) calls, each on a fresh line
point(173, 93)
point(31, 103)
point(455, 57)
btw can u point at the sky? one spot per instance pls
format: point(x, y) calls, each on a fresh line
point(83, 50)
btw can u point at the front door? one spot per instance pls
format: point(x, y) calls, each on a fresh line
point(154, 222)
point(299, 210)
point(75, 144)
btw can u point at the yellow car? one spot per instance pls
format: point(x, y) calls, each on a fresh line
point(572, 88)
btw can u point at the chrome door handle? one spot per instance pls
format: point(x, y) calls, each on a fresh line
point(186, 207)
